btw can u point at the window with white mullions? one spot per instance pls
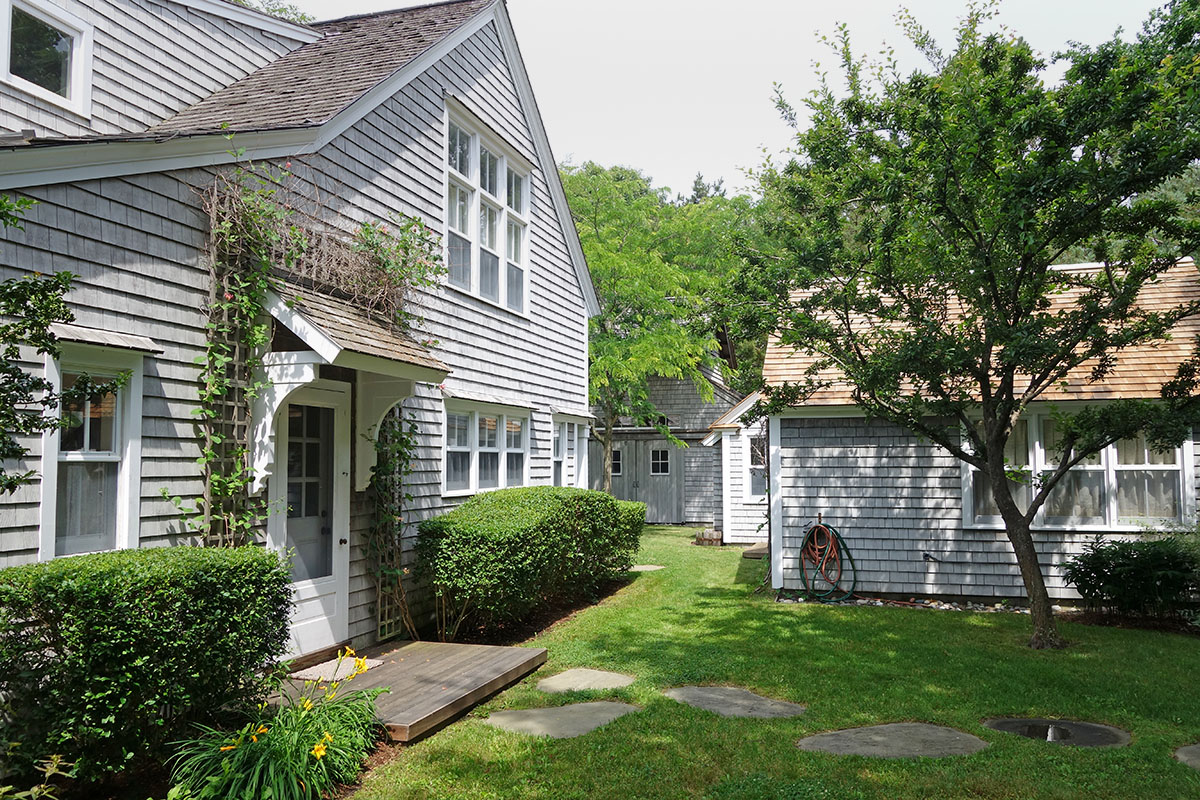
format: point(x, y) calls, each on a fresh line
point(89, 460)
point(756, 466)
point(660, 462)
point(616, 462)
point(487, 260)
point(485, 450)
point(1124, 485)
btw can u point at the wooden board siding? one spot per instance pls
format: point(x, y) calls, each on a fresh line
point(894, 497)
point(137, 246)
point(746, 516)
point(151, 59)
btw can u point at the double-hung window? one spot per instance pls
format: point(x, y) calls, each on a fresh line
point(1121, 487)
point(91, 470)
point(485, 449)
point(45, 51)
point(756, 464)
point(487, 182)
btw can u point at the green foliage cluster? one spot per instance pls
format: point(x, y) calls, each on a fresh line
point(315, 739)
point(109, 656)
point(502, 554)
point(1156, 577)
point(395, 449)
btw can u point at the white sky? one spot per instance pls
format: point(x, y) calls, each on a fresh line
point(673, 87)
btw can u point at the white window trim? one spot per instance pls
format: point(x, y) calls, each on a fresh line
point(503, 414)
point(506, 158)
point(747, 435)
point(99, 360)
point(79, 82)
point(618, 462)
point(1037, 460)
point(654, 450)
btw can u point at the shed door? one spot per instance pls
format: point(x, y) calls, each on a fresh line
point(660, 481)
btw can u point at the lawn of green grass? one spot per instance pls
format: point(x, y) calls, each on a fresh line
point(697, 622)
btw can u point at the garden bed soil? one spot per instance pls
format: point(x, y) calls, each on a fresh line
point(539, 620)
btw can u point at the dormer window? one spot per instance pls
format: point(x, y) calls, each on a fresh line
point(46, 52)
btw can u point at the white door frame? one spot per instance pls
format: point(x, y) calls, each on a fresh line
point(326, 630)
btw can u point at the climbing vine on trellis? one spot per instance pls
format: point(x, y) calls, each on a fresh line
point(396, 448)
point(264, 226)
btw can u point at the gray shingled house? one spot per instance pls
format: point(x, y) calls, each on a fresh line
point(741, 451)
point(917, 520)
point(679, 485)
point(116, 124)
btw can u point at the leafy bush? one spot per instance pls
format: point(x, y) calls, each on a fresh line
point(109, 656)
point(502, 554)
point(314, 740)
point(1151, 577)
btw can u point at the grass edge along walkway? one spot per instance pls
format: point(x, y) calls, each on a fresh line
point(697, 622)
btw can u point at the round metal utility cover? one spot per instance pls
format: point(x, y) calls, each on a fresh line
point(1062, 731)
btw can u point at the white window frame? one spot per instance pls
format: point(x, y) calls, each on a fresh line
point(502, 415)
point(1037, 459)
point(127, 441)
point(654, 450)
point(79, 81)
point(617, 462)
point(506, 160)
point(748, 435)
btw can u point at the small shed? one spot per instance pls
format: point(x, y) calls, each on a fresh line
point(679, 485)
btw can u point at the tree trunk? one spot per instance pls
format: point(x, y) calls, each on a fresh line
point(607, 440)
point(1045, 629)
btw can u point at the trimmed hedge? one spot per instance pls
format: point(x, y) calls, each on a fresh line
point(502, 554)
point(1148, 577)
point(108, 657)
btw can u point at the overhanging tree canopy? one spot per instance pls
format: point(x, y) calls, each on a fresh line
point(918, 221)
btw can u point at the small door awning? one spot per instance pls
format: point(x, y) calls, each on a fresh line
point(345, 336)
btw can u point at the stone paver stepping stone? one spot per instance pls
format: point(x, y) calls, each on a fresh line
point(646, 567)
point(564, 722)
point(582, 678)
point(1189, 755)
point(896, 740)
point(759, 550)
point(1062, 731)
point(732, 702)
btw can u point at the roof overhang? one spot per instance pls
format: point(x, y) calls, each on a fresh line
point(254, 18)
point(307, 325)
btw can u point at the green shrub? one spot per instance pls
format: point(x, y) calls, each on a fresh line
point(502, 554)
point(109, 656)
point(315, 739)
point(1150, 577)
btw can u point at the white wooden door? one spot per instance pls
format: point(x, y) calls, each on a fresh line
point(310, 511)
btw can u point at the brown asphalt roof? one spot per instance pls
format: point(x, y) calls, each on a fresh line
point(311, 84)
point(1139, 371)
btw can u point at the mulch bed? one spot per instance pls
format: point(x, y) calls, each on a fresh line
point(1107, 620)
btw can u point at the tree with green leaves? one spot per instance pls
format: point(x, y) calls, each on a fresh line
point(29, 305)
point(931, 206)
point(649, 323)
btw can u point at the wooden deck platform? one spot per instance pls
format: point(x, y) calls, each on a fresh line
point(432, 682)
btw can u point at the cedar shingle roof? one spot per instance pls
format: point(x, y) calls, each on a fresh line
point(1139, 371)
point(353, 330)
point(311, 84)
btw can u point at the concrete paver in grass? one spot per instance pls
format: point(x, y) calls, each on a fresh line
point(581, 679)
point(729, 701)
point(1189, 755)
point(896, 740)
point(646, 567)
point(563, 722)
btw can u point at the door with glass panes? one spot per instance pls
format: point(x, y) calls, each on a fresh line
point(310, 512)
point(650, 472)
